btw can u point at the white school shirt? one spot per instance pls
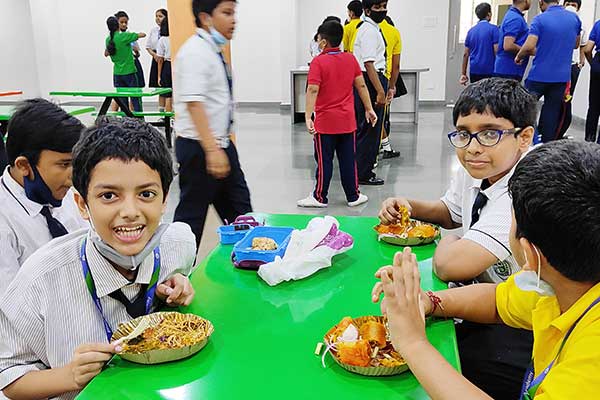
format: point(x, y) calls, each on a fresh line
point(200, 76)
point(164, 48)
point(492, 231)
point(369, 45)
point(584, 39)
point(23, 229)
point(47, 312)
point(153, 37)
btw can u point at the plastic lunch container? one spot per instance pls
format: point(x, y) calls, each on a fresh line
point(244, 257)
point(231, 234)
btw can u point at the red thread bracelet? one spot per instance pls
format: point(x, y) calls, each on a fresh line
point(436, 300)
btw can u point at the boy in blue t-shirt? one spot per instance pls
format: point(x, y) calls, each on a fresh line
point(513, 33)
point(552, 37)
point(481, 47)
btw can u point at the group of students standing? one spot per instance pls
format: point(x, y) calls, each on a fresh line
point(559, 45)
point(123, 49)
point(349, 114)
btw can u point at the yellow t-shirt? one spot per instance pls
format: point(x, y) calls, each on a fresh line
point(350, 34)
point(394, 44)
point(575, 373)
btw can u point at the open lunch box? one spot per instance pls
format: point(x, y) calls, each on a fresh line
point(234, 232)
point(244, 257)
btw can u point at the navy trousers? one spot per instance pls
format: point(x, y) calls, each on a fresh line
point(326, 146)
point(549, 125)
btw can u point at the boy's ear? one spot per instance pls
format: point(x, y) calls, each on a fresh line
point(23, 165)
point(525, 138)
point(531, 255)
point(81, 205)
point(205, 19)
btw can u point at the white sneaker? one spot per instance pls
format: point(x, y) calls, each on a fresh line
point(311, 202)
point(362, 199)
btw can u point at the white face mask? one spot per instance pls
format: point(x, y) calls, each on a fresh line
point(130, 263)
point(572, 9)
point(530, 281)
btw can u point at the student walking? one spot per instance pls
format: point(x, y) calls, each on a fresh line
point(481, 46)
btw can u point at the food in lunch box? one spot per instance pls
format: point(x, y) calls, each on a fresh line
point(174, 331)
point(263, 244)
point(363, 342)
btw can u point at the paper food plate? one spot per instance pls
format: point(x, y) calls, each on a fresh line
point(366, 371)
point(401, 240)
point(161, 355)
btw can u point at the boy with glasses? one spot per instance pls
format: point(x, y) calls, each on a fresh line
point(494, 121)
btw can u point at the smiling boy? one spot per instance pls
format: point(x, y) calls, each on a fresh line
point(58, 315)
point(494, 128)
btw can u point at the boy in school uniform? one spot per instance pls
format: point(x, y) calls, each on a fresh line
point(35, 188)
point(369, 50)
point(494, 121)
point(355, 11)
point(552, 37)
point(557, 295)
point(209, 167)
point(393, 52)
point(332, 77)
point(513, 34)
point(58, 315)
point(481, 46)
point(592, 54)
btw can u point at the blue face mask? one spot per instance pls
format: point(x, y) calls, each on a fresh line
point(37, 191)
point(219, 39)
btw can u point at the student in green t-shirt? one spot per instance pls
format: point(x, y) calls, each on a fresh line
point(118, 47)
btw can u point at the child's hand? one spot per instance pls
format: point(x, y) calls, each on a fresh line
point(463, 80)
point(371, 117)
point(87, 362)
point(390, 95)
point(377, 291)
point(389, 213)
point(176, 291)
point(402, 301)
point(159, 82)
point(217, 164)
point(380, 101)
point(310, 126)
point(518, 61)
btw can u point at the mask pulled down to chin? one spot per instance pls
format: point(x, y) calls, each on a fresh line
point(530, 281)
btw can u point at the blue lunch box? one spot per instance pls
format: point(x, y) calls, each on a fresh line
point(245, 258)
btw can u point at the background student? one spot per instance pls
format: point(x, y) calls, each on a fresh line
point(151, 46)
point(552, 37)
point(393, 51)
point(355, 11)
point(481, 46)
point(123, 18)
point(164, 63)
point(118, 47)
point(513, 34)
point(593, 56)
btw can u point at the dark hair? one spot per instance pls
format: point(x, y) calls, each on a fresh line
point(38, 125)
point(163, 11)
point(332, 18)
point(205, 6)
point(164, 27)
point(123, 139)
point(389, 20)
point(574, 1)
point(367, 4)
point(503, 98)
point(112, 24)
point(483, 10)
point(555, 192)
point(121, 14)
point(332, 32)
point(356, 7)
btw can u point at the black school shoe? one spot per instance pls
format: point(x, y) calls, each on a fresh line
point(374, 181)
point(390, 154)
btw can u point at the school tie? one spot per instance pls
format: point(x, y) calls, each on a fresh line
point(56, 228)
point(137, 307)
point(480, 202)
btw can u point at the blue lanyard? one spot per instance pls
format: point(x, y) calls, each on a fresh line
point(89, 281)
point(532, 383)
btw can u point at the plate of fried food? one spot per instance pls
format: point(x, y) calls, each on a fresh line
point(169, 336)
point(408, 232)
point(362, 345)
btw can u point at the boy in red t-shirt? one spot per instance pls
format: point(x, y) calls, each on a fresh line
point(332, 77)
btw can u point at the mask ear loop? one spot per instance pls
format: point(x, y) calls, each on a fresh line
point(539, 268)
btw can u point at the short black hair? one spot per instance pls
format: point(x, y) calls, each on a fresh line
point(332, 18)
point(164, 27)
point(483, 10)
point(332, 32)
point(574, 1)
point(555, 192)
point(356, 7)
point(121, 14)
point(123, 139)
point(205, 6)
point(503, 98)
point(38, 125)
point(367, 4)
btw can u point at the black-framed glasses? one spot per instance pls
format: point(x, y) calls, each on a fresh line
point(486, 137)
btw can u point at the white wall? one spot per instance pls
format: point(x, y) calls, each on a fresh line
point(17, 62)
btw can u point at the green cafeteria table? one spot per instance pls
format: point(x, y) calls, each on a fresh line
point(265, 337)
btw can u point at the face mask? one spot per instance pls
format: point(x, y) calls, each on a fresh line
point(219, 39)
point(37, 191)
point(572, 9)
point(130, 263)
point(378, 16)
point(530, 281)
